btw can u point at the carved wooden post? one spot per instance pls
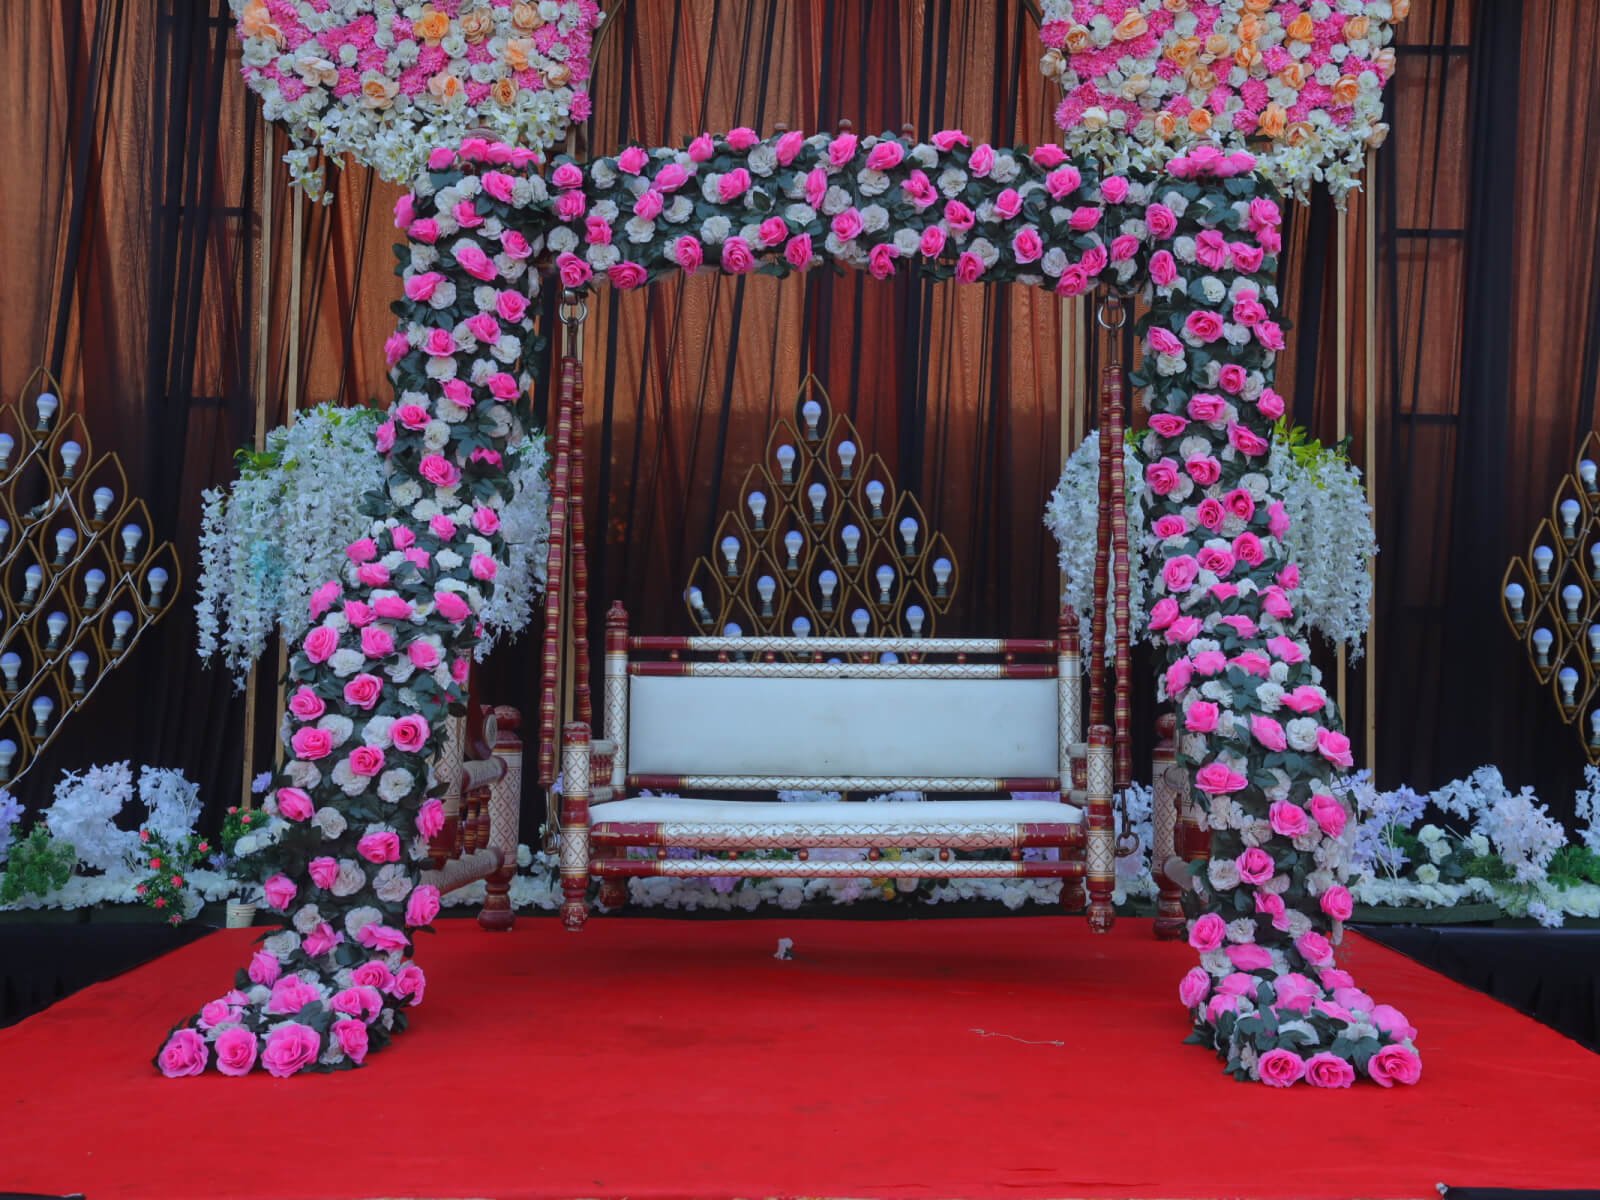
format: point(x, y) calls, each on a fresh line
point(505, 805)
point(1069, 693)
point(574, 824)
point(614, 892)
point(1163, 828)
point(1121, 613)
point(1101, 847)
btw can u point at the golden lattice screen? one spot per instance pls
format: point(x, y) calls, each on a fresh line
point(823, 542)
point(81, 579)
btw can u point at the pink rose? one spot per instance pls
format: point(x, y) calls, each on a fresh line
point(1250, 957)
point(1203, 469)
point(423, 654)
point(919, 188)
point(1391, 1020)
point(958, 216)
point(1270, 734)
point(1314, 947)
point(1163, 268)
point(430, 818)
point(1281, 1068)
point(947, 140)
point(1270, 404)
point(1287, 819)
point(1183, 631)
point(440, 343)
point(1203, 325)
point(310, 744)
point(1337, 902)
point(1271, 904)
point(1289, 577)
point(1247, 547)
point(885, 156)
point(1219, 1004)
point(1252, 662)
point(218, 1012)
point(1255, 865)
point(1162, 476)
point(1263, 214)
point(422, 287)
point(1163, 342)
point(185, 1053)
point(377, 642)
point(981, 162)
point(442, 527)
point(1084, 218)
point(392, 608)
point(1216, 560)
point(1394, 1064)
point(405, 211)
point(1179, 573)
point(880, 260)
point(514, 245)
point(1210, 662)
point(1204, 406)
point(1048, 155)
point(451, 606)
point(236, 1051)
point(1171, 525)
point(798, 252)
point(1163, 613)
point(1008, 203)
point(324, 871)
point(702, 148)
point(1161, 221)
point(320, 644)
point(320, 940)
point(476, 263)
point(366, 761)
point(373, 574)
point(969, 268)
point(1179, 675)
point(352, 1039)
point(1062, 182)
point(439, 471)
point(842, 149)
point(1123, 247)
point(737, 257)
point(290, 994)
point(1114, 189)
point(932, 243)
point(484, 327)
point(1210, 514)
point(1246, 441)
point(511, 306)
point(380, 847)
point(322, 599)
point(423, 906)
point(264, 967)
point(410, 733)
point(733, 185)
point(573, 270)
point(788, 147)
point(1326, 1070)
point(306, 704)
point(1194, 987)
point(1269, 334)
point(425, 230)
point(626, 276)
point(1211, 249)
point(373, 973)
point(1218, 779)
point(1247, 310)
point(1239, 984)
point(1207, 932)
point(360, 1001)
point(294, 804)
point(1027, 246)
point(1232, 378)
point(483, 567)
point(1335, 747)
point(410, 983)
point(1201, 717)
point(572, 205)
point(567, 175)
point(291, 1047)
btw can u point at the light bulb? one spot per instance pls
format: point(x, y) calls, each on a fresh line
point(32, 577)
point(888, 658)
point(941, 576)
point(818, 495)
point(697, 605)
point(8, 755)
point(1542, 640)
point(757, 503)
point(811, 411)
point(908, 535)
point(121, 623)
point(47, 404)
point(78, 664)
point(786, 462)
point(66, 539)
point(730, 553)
point(132, 535)
point(103, 498)
point(56, 624)
point(847, 458)
point(1586, 472)
point(1567, 678)
point(827, 581)
point(158, 584)
point(874, 491)
point(793, 542)
point(859, 620)
point(7, 444)
point(1594, 644)
point(1571, 597)
point(801, 627)
point(850, 535)
point(1594, 562)
point(732, 630)
point(885, 577)
point(43, 706)
point(5, 531)
point(1594, 729)
point(914, 616)
point(766, 586)
point(11, 667)
point(70, 453)
point(94, 580)
point(1570, 510)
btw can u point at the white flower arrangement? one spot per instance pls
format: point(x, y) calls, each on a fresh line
point(1330, 536)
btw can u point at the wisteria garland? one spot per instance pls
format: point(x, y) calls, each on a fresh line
point(1267, 995)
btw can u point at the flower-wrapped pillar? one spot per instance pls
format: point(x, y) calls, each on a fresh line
point(385, 661)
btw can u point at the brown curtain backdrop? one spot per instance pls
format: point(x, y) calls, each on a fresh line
point(131, 220)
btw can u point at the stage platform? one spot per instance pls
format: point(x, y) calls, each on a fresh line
point(673, 1058)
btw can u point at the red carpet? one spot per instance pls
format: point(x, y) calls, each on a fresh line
point(652, 1058)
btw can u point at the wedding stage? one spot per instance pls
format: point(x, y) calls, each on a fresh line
point(927, 1058)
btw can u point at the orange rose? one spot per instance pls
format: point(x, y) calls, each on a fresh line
point(1183, 51)
point(1175, 6)
point(477, 24)
point(1258, 7)
point(517, 52)
point(433, 25)
point(1356, 28)
point(378, 93)
point(504, 91)
point(1273, 120)
point(1299, 134)
point(1247, 56)
point(1202, 79)
point(1384, 61)
point(526, 17)
point(1302, 28)
point(1199, 120)
point(1219, 45)
point(1402, 9)
point(1131, 26)
point(1293, 75)
point(1052, 64)
point(1249, 28)
point(444, 86)
point(1166, 124)
point(559, 75)
point(1346, 90)
point(1077, 39)
point(256, 22)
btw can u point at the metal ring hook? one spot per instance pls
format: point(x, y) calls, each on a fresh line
point(1110, 313)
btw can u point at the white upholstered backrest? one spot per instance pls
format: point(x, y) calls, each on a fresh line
point(781, 727)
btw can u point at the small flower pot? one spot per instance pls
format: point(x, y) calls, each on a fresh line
point(240, 915)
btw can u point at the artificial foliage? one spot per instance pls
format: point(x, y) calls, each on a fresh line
point(1259, 734)
point(38, 865)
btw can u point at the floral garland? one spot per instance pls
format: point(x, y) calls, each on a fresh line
point(1330, 534)
point(387, 655)
point(385, 81)
point(1298, 81)
point(1267, 995)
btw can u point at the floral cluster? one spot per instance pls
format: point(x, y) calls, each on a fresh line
point(166, 886)
point(1298, 81)
point(388, 649)
point(385, 81)
point(1329, 535)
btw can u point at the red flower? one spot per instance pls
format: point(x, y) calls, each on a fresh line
point(155, 864)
